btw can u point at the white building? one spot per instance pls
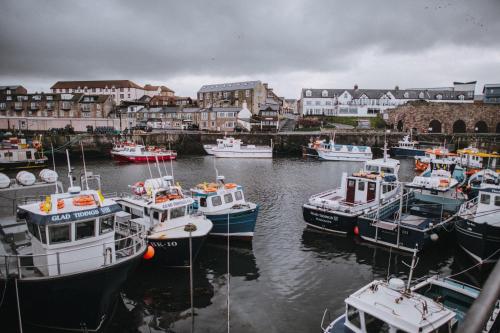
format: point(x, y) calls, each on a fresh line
point(370, 102)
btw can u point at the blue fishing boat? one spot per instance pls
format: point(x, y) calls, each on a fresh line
point(225, 205)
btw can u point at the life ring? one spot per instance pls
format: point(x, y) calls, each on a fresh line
point(83, 200)
point(174, 196)
point(46, 206)
point(37, 145)
point(60, 204)
point(231, 185)
point(210, 190)
point(138, 188)
point(161, 198)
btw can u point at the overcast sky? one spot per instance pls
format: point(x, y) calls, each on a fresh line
point(291, 44)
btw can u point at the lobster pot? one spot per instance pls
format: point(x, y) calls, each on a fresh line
point(25, 178)
point(48, 176)
point(4, 180)
point(153, 184)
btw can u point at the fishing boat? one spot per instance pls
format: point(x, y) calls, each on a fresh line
point(79, 249)
point(422, 162)
point(142, 154)
point(407, 148)
point(18, 154)
point(234, 148)
point(476, 180)
point(338, 210)
point(478, 225)
point(429, 305)
point(311, 150)
point(122, 145)
point(225, 205)
point(423, 213)
point(329, 151)
point(209, 149)
point(168, 216)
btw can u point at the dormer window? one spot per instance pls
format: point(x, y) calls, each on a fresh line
point(308, 93)
point(439, 96)
point(421, 95)
point(406, 95)
point(324, 93)
point(461, 97)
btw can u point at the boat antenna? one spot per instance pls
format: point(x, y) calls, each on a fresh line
point(147, 159)
point(157, 164)
point(216, 171)
point(54, 163)
point(171, 165)
point(414, 263)
point(70, 174)
point(84, 167)
point(164, 167)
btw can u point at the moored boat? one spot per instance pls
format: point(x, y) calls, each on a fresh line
point(478, 225)
point(167, 215)
point(350, 153)
point(142, 154)
point(225, 205)
point(407, 148)
point(81, 249)
point(338, 210)
point(18, 154)
point(234, 148)
point(422, 162)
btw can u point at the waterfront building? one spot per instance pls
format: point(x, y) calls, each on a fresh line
point(371, 102)
point(290, 106)
point(13, 90)
point(151, 91)
point(491, 93)
point(220, 119)
point(254, 93)
point(268, 118)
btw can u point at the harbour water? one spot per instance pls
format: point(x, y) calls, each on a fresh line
point(286, 277)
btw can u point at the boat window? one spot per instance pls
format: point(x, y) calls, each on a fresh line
point(387, 188)
point(228, 198)
point(33, 229)
point(28, 155)
point(84, 229)
point(353, 316)
point(156, 215)
point(485, 199)
point(497, 200)
point(238, 195)
point(374, 324)
point(216, 201)
point(351, 183)
point(146, 211)
point(442, 329)
point(43, 235)
point(106, 224)
point(177, 212)
point(387, 170)
point(203, 202)
point(361, 186)
point(59, 233)
point(371, 168)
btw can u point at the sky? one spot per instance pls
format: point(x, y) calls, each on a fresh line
point(291, 44)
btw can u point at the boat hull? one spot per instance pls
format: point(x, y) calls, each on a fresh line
point(141, 159)
point(344, 156)
point(329, 221)
point(175, 252)
point(39, 163)
point(480, 240)
point(241, 224)
point(82, 301)
point(243, 154)
point(404, 152)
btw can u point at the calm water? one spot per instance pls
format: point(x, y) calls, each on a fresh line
point(286, 277)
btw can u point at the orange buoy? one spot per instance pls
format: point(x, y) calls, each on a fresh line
point(150, 253)
point(356, 230)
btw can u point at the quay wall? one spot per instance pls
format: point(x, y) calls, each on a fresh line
point(191, 143)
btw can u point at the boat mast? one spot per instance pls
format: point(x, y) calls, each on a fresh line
point(54, 164)
point(84, 167)
point(70, 173)
point(414, 263)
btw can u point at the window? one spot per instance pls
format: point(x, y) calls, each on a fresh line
point(406, 95)
point(236, 94)
point(177, 212)
point(318, 103)
point(43, 235)
point(84, 229)
point(497, 200)
point(59, 233)
point(308, 93)
point(439, 96)
point(353, 316)
point(361, 186)
point(461, 97)
point(421, 95)
point(122, 96)
point(228, 198)
point(324, 93)
point(238, 195)
point(203, 202)
point(106, 224)
point(216, 201)
point(33, 229)
point(374, 324)
point(485, 199)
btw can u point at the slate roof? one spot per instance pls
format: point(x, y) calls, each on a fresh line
point(229, 86)
point(95, 84)
point(399, 94)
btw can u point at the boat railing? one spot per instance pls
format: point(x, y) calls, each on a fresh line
point(23, 267)
point(325, 313)
point(468, 205)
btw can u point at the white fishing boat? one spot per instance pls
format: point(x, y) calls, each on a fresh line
point(234, 148)
point(337, 210)
point(18, 154)
point(330, 151)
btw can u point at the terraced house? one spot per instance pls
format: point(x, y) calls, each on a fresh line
point(371, 102)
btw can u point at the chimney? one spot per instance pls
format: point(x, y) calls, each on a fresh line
point(265, 85)
point(355, 87)
point(396, 88)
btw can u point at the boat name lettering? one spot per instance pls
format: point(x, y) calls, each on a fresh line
point(334, 218)
point(78, 215)
point(164, 244)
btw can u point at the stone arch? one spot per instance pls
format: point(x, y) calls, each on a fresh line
point(400, 126)
point(435, 126)
point(481, 127)
point(459, 126)
point(498, 128)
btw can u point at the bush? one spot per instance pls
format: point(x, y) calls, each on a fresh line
point(307, 123)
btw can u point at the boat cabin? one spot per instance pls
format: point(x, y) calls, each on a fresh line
point(488, 205)
point(71, 232)
point(15, 155)
point(214, 197)
point(406, 143)
point(388, 307)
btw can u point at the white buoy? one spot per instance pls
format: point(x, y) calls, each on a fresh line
point(434, 237)
point(25, 178)
point(48, 176)
point(396, 284)
point(4, 180)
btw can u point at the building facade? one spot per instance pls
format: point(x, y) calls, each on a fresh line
point(371, 102)
point(491, 93)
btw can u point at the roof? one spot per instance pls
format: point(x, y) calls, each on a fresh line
point(95, 84)
point(273, 107)
point(149, 87)
point(10, 87)
point(379, 93)
point(229, 86)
